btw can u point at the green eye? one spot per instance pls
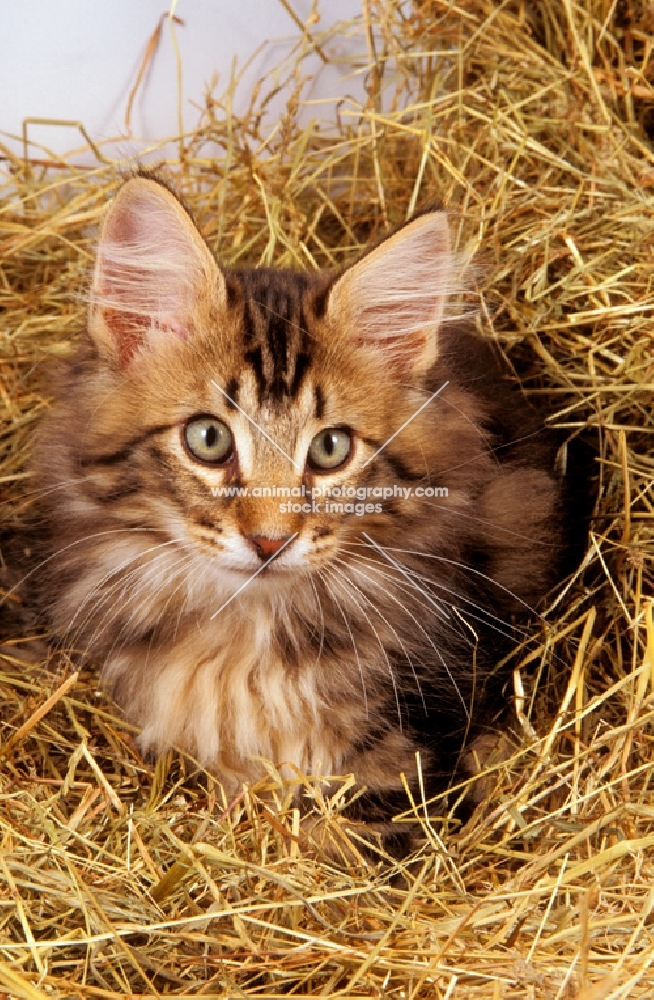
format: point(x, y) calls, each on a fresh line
point(209, 440)
point(330, 448)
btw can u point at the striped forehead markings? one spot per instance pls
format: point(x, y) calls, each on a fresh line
point(257, 425)
point(276, 337)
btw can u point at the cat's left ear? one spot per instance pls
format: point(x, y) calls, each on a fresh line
point(153, 272)
point(392, 301)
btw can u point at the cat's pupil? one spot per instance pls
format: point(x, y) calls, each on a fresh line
point(210, 437)
point(329, 443)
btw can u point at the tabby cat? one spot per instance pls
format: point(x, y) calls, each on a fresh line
point(290, 514)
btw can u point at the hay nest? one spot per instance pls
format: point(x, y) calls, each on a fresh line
point(531, 123)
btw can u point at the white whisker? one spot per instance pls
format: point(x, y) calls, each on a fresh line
point(130, 594)
point(429, 640)
point(331, 571)
point(467, 568)
point(66, 548)
point(322, 576)
point(485, 616)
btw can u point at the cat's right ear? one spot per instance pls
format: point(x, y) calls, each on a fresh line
point(152, 272)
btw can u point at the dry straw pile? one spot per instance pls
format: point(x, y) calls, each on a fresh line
point(531, 122)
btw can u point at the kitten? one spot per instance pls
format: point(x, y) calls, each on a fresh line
point(334, 638)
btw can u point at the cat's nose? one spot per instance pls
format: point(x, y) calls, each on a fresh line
point(267, 547)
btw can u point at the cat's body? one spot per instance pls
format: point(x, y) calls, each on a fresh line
point(367, 635)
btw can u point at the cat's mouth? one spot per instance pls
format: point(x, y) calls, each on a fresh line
point(258, 555)
point(246, 567)
point(267, 569)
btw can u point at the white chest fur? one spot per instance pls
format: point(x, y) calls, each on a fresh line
point(227, 697)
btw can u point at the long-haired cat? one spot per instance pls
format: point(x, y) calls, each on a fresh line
point(230, 613)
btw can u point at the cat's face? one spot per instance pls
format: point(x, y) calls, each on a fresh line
point(255, 414)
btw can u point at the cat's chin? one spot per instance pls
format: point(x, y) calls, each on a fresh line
point(272, 583)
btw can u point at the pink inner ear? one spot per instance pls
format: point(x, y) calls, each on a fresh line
point(152, 269)
point(134, 307)
point(129, 333)
point(402, 353)
point(393, 299)
point(123, 230)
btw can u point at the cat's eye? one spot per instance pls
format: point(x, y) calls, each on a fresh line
point(209, 440)
point(330, 449)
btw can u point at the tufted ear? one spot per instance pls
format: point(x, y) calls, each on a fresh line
point(152, 271)
point(392, 301)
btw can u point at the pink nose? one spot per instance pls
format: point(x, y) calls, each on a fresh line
point(266, 547)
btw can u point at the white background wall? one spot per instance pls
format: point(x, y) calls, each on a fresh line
point(78, 59)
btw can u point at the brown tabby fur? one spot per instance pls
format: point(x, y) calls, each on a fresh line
point(334, 658)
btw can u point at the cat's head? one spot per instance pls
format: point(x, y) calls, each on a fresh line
point(268, 385)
